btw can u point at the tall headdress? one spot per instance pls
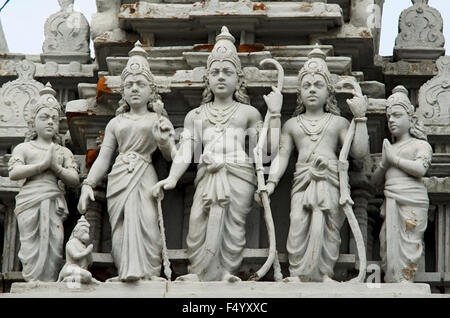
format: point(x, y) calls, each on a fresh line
point(399, 97)
point(47, 99)
point(81, 224)
point(137, 63)
point(225, 50)
point(316, 65)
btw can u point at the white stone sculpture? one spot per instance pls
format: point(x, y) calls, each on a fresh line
point(66, 36)
point(40, 205)
point(320, 198)
point(141, 125)
point(18, 98)
point(225, 182)
point(3, 42)
point(78, 256)
point(420, 33)
point(434, 110)
point(106, 21)
point(405, 208)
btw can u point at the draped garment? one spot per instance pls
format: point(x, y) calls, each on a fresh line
point(136, 238)
point(40, 211)
point(406, 205)
point(222, 200)
point(315, 221)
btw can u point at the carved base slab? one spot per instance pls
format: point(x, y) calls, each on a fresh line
point(418, 53)
point(65, 58)
point(172, 289)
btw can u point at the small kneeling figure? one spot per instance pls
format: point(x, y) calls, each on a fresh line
point(78, 256)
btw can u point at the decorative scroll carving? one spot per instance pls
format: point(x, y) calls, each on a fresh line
point(420, 32)
point(433, 99)
point(66, 35)
point(18, 97)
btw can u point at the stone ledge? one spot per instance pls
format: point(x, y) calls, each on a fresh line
point(74, 69)
point(146, 289)
point(418, 53)
point(257, 254)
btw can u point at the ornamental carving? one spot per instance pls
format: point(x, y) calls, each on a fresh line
point(420, 26)
point(66, 31)
point(19, 96)
point(434, 96)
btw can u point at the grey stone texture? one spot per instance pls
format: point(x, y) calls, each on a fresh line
point(420, 33)
point(178, 36)
point(66, 36)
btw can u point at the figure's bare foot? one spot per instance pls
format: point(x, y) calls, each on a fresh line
point(188, 278)
point(33, 283)
point(292, 279)
point(405, 281)
point(158, 279)
point(227, 277)
point(327, 279)
point(131, 279)
point(113, 279)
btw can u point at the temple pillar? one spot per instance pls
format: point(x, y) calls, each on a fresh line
point(94, 214)
point(360, 197)
point(188, 199)
point(11, 241)
point(361, 192)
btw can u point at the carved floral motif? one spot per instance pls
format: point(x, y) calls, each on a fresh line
point(19, 96)
point(420, 26)
point(434, 95)
point(66, 31)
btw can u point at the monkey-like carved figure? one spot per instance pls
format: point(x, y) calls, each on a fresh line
point(78, 256)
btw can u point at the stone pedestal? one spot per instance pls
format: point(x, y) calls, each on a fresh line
point(220, 290)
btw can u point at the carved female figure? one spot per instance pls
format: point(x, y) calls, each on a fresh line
point(225, 181)
point(405, 208)
point(140, 126)
point(40, 205)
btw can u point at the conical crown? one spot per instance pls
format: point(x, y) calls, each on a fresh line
point(399, 97)
point(224, 49)
point(47, 99)
point(316, 64)
point(82, 222)
point(137, 63)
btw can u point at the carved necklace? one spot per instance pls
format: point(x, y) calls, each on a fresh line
point(35, 145)
point(313, 127)
point(134, 117)
point(403, 144)
point(220, 116)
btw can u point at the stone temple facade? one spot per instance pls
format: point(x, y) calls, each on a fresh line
point(178, 36)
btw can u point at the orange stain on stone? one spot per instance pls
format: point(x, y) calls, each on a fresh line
point(91, 155)
point(259, 6)
point(102, 88)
